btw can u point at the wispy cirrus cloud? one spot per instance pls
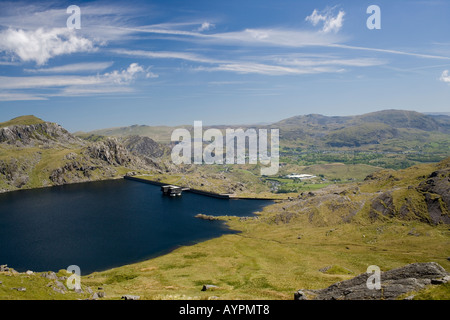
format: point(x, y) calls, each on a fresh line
point(13, 96)
point(14, 88)
point(267, 69)
point(265, 65)
point(165, 55)
point(123, 77)
point(390, 51)
point(74, 68)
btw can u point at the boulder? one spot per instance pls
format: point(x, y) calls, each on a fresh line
point(394, 283)
point(130, 297)
point(49, 275)
point(209, 287)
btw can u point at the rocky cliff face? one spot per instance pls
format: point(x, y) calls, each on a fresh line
point(41, 134)
point(145, 146)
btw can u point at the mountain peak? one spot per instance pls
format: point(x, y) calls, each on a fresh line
point(22, 120)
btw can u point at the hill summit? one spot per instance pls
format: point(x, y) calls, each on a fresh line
point(22, 120)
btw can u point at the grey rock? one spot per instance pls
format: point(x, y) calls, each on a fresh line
point(300, 295)
point(60, 285)
point(49, 275)
point(59, 290)
point(130, 297)
point(325, 269)
point(20, 289)
point(394, 283)
point(209, 287)
point(145, 146)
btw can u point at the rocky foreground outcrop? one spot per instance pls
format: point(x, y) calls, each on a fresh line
point(394, 283)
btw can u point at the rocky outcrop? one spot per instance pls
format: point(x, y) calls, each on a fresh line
point(110, 151)
point(145, 146)
point(77, 172)
point(427, 201)
point(436, 189)
point(44, 134)
point(394, 283)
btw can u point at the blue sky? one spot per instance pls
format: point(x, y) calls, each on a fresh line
point(222, 62)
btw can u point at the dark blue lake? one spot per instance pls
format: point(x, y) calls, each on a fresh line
point(101, 225)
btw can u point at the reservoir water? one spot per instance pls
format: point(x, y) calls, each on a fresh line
point(105, 224)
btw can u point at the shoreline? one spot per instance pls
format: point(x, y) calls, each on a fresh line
point(202, 192)
point(157, 183)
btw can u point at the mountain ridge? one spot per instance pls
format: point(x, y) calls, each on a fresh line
point(302, 124)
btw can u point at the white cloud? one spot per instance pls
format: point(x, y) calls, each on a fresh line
point(331, 23)
point(334, 24)
point(128, 75)
point(41, 45)
point(445, 77)
point(206, 26)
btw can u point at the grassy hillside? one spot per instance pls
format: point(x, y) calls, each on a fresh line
point(23, 120)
